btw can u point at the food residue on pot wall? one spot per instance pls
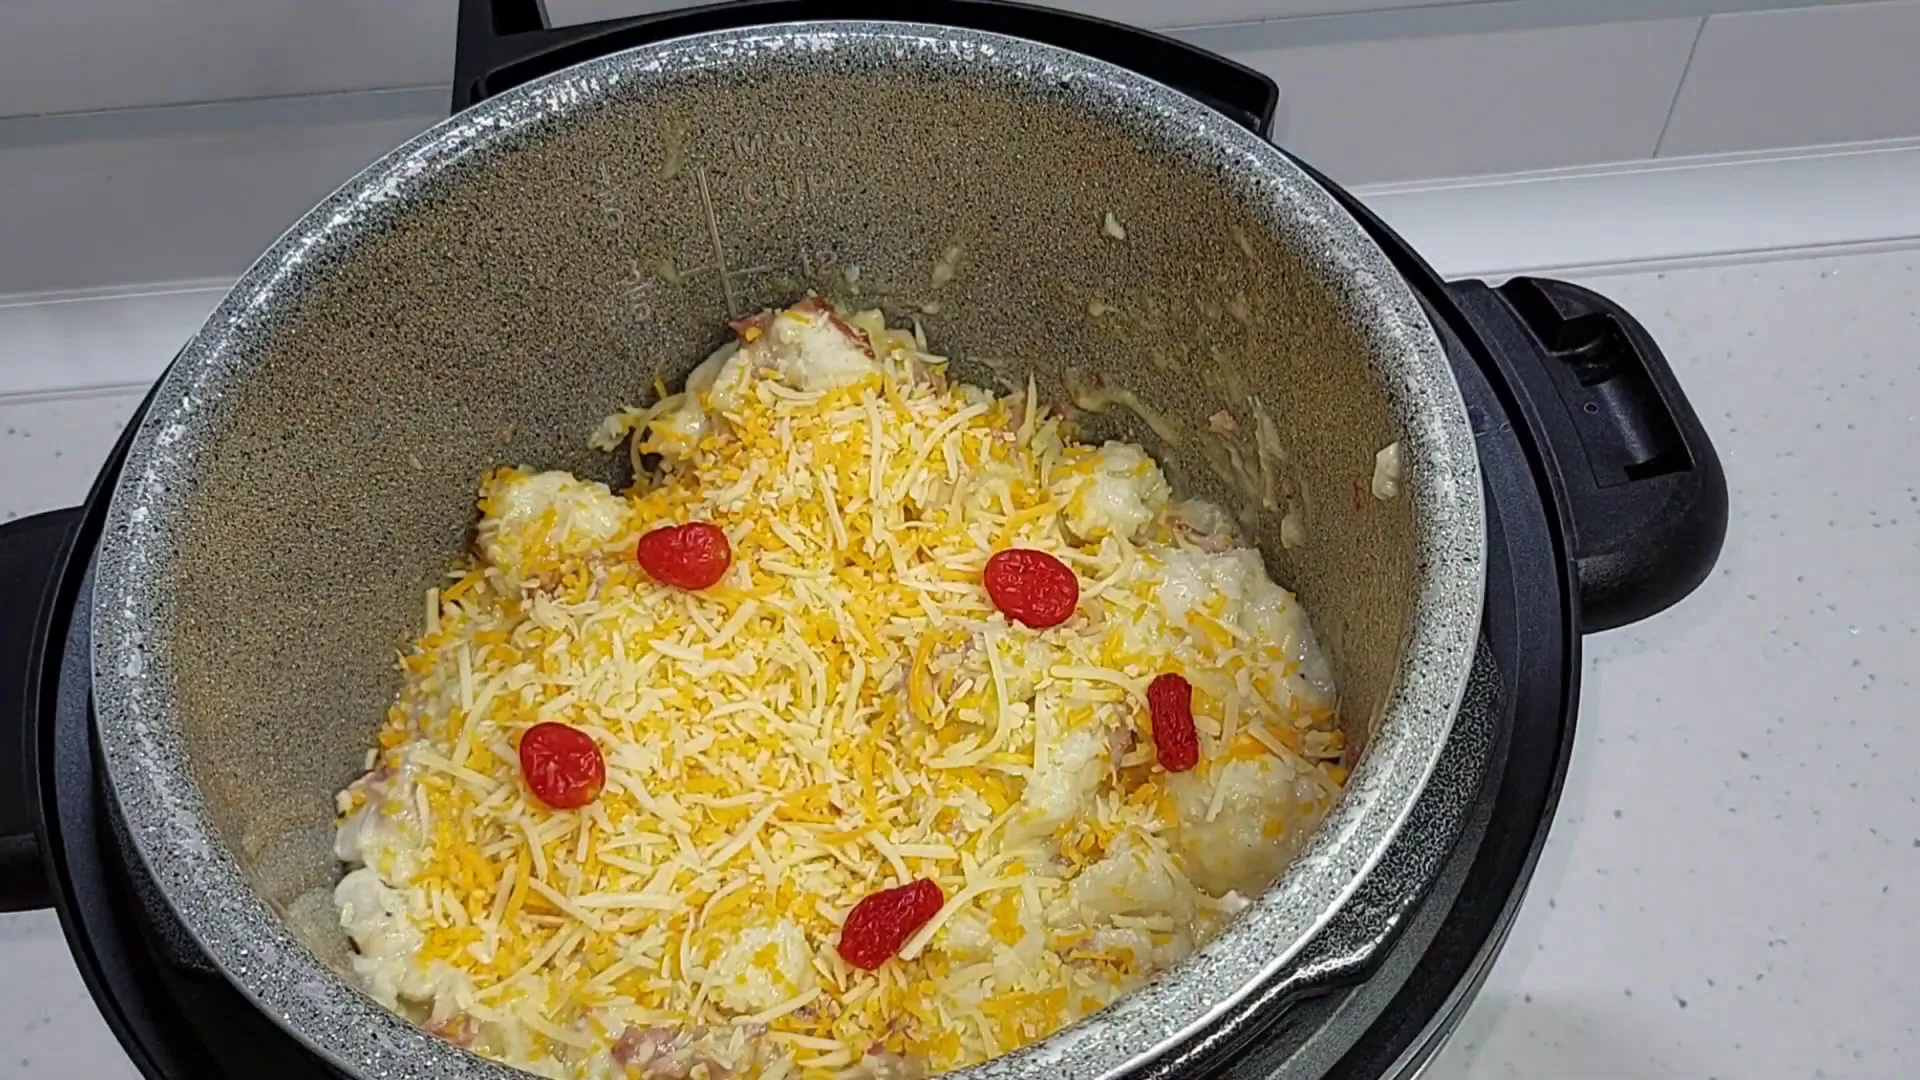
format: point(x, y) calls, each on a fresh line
point(1387, 468)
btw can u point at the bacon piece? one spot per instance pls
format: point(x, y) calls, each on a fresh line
point(759, 324)
point(665, 1053)
point(457, 1029)
point(814, 305)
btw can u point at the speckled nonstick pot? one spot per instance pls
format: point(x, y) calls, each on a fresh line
point(307, 466)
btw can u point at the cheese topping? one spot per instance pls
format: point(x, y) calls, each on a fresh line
point(844, 712)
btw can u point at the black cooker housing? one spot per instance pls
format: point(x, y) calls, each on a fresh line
point(1605, 504)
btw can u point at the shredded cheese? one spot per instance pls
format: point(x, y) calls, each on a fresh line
point(844, 713)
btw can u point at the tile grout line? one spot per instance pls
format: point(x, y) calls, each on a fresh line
point(78, 392)
point(1635, 168)
point(96, 294)
point(188, 119)
point(1408, 21)
point(1737, 257)
point(1680, 87)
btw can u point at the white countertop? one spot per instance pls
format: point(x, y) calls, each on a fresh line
point(1732, 886)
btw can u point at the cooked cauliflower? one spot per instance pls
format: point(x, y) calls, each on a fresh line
point(813, 349)
point(1150, 950)
point(1074, 769)
point(679, 427)
point(1132, 880)
point(374, 915)
point(807, 347)
point(1003, 929)
point(1233, 587)
point(1242, 821)
point(531, 523)
point(1116, 490)
point(762, 966)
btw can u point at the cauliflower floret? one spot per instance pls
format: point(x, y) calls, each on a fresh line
point(1267, 809)
point(374, 915)
point(1002, 929)
point(762, 966)
point(1146, 949)
point(1237, 581)
point(678, 429)
point(1073, 771)
point(372, 837)
point(1116, 490)
point(1203, 524)
point(384, 832)
point(531, 523)
point(814, 349)
point(1191, 579)
point(1133, 879)
point(808, 347)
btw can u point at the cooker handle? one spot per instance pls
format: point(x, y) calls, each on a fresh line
point(31, 552)
point(1647, 498)
point(503, 43)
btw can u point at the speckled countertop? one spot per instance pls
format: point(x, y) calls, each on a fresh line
point(1732, 886)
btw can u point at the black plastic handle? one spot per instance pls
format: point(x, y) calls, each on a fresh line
point(504, 43)
point(32, 550)
point(1646, 496)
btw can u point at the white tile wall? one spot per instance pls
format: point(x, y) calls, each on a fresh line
point(101, 339)
point(1480, 103)
point(170, 207)
point(1794, 78)
point(141, 195)
point(75, 55)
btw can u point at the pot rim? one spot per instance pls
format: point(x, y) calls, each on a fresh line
point(145, 751)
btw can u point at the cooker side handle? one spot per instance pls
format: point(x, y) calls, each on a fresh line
point(32, 550)
point(503, 43)
point(1645, 494)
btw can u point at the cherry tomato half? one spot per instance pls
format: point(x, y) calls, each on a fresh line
point(562, 765)
point(691, 556)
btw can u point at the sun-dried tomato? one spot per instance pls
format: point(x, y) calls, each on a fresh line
point(691, 556)
point(1175, 741)
point(562, 765)
point(879, 925)
point(1031, 587)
